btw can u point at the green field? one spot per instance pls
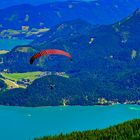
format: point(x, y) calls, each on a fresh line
point(10, 79)
point(3, 51)
point(18, 76)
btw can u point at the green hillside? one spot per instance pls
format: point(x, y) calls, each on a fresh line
point(126, 131)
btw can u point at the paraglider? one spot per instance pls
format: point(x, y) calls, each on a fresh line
point(49, 52)
point(52, 86)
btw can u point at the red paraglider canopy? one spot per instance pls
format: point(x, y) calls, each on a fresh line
point(49, 52)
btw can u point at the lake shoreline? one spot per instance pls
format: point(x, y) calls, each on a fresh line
point(69, 106)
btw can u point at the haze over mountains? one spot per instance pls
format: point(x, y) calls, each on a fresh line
point(95, 12)
point(8, 3)
point(106, 64)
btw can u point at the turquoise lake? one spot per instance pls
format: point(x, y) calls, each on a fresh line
point(28, 123)
point(8, 44)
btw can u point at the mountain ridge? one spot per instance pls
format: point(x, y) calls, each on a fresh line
point(40, 16)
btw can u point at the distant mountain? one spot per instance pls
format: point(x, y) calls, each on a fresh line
point(118, 42)
point(106, 63)
point(8, 3)
point(95, 12)
point(64, 31)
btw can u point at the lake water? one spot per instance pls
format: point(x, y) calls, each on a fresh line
point(26, 123)
point(8, 44)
